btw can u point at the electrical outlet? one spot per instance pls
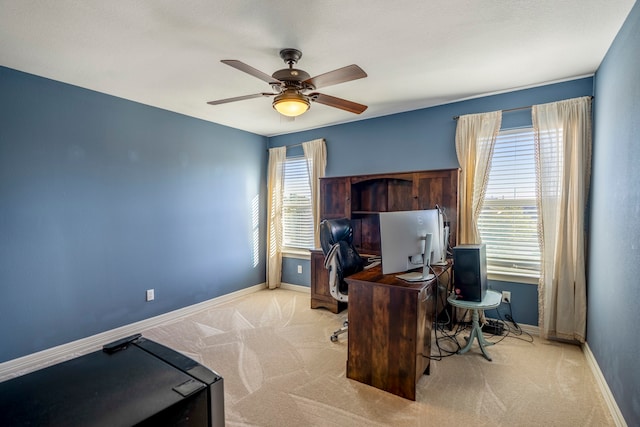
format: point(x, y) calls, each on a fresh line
point(150, 295)
point(299, 269)
point(506, 296)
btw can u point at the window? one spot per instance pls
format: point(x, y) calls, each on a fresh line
point(508, 221)
point(297, 213)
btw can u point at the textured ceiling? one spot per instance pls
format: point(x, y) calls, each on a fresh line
point(417, 53)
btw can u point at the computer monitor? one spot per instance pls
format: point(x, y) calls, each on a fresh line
point(402, 238)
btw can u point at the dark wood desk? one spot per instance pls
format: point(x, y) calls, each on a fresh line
point(390, 323)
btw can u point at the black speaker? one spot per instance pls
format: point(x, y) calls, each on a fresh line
point(470, 272)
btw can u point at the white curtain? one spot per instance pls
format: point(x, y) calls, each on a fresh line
point(475, 138)
point(563, 157)
point(315, 152)
point(275, 184)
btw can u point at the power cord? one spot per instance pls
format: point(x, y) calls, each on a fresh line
point(514, 330)
point(446, 344)
point(442, 338)
point(517, 330)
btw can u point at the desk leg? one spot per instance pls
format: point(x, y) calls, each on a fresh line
point(476, 332)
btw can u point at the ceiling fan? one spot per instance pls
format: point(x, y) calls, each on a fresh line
point(290, 86)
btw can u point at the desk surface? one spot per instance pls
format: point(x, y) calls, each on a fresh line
point(375, 275)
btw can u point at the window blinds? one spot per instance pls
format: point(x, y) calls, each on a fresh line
point(297, 213)
point(508, 221)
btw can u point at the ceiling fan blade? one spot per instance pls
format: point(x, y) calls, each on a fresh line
point(239, 98)
point(239, 65)
point(341, 75)
point(332, 101)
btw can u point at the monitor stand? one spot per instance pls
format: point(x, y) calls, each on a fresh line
point(421, 276)
point(416, 276)
point(445, 244)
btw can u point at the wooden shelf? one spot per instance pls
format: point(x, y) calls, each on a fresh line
point(362, 197)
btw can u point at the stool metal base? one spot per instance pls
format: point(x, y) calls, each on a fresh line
point(476, 332)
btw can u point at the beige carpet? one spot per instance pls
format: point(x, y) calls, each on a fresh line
point(280, 369)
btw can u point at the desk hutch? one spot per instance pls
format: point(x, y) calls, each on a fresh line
point(362, 197)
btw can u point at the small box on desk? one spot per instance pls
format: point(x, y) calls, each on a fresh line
point(470, 272)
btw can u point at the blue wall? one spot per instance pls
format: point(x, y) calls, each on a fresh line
point(422, 140)
point(102, 198)
point(614, 267)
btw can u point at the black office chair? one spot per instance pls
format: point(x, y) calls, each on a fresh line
point(341, 259)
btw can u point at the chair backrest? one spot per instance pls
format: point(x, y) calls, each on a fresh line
point(341, 257)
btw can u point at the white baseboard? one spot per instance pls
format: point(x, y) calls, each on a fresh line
point(297, 288)
point(530, 329)
point(597, 373)
point(604, 387)
point(50, 356)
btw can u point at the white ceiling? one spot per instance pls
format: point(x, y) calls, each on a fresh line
point(417, 53)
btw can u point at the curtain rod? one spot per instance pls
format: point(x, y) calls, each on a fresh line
point(287, 146)
point(505, 111)
point(292, 145)
point(508, 110)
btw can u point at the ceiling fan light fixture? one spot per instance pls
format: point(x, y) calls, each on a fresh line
point(291, 103)
point(290, 86)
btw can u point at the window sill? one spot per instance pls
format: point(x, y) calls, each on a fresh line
point(296, 253)
point(513, 278)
